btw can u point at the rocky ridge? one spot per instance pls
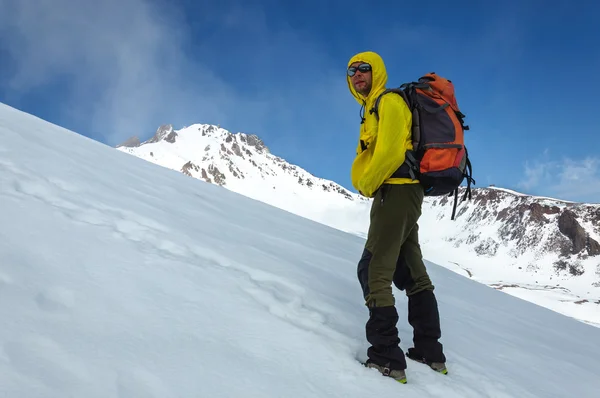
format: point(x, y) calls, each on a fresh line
point(534, 229)
point(215, 155)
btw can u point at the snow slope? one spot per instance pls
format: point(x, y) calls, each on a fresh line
point(120, 278)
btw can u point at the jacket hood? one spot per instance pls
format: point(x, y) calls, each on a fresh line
point(379, 74)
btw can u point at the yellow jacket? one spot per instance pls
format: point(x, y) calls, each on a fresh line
point(386, 140)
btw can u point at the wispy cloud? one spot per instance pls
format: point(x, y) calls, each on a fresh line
point(537, 172)
point(564, 178)
point(120, 62)
point(127, 66)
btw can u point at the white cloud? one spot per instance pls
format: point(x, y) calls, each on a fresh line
point(537, 171)
point(127, 66)
point(565, 178)
point(579, 179)
point(120, 63)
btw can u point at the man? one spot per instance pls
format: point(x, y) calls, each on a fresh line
point(392, 253)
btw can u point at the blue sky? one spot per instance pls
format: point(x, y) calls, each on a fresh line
point(526, 75)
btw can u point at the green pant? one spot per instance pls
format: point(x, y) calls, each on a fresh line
point(392, 253)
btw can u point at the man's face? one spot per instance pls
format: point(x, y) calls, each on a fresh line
point(362, 77)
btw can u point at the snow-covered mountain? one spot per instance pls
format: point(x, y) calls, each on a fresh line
point(541, 249)
point(121, 279)
point(244, 164)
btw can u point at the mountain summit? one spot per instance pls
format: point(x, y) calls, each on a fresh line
point(244, 164)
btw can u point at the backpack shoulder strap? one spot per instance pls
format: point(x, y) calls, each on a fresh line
point(408, 92)
point(398, 90)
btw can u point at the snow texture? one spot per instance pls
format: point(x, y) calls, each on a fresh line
point(120, 278)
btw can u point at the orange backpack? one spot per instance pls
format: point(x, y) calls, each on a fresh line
point(439, 159)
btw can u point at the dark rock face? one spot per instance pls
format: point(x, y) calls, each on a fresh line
point(171, 137)
point(185, 169)
point(593, 247)
point(163, 132)
point(218, 177)
point(580, 239)
point(257, 143)
point(131, 142)
point(568, 225)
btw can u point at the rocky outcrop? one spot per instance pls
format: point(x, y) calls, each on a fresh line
point(217, 176)
point(253, 141)
point(568, 225)
point(188, 168)
point(131, 142)
point(171, 137)
point(164, 131)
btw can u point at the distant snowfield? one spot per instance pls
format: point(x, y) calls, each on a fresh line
point(536, 197)
point(119, 278)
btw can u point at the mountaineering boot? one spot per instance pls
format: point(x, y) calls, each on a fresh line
point(397, 374)
point(439, 367)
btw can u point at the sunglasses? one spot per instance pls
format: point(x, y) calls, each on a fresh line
point(363, 68)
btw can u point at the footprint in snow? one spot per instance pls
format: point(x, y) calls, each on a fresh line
point(63, 185)
point(286, 302)
point(43, 191)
